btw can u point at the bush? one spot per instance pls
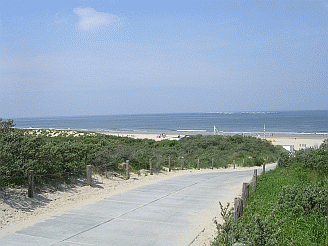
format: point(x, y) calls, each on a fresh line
point(284, 159)
point(304, 199)
point(20, 150)
point(312, 158)
point(254, 232)
point(258, 161)
point(289, 207)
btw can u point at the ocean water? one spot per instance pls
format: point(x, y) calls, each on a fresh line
point(312, 122)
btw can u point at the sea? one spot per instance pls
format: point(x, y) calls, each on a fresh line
point(278, 122)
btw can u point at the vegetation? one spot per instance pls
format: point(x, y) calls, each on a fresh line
point(289, 207)
point(64, 156)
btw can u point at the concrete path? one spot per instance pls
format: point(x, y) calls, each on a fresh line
point(169, 212)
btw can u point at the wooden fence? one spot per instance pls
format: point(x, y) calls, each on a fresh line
point(240, 202)
point(151, 170)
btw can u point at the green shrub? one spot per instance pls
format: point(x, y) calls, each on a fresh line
point(21, 151)
point(290, 203)
point(304, 199)
point(254, 232)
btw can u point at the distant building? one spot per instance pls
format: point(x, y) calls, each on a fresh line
point(302, 146)
point(290, 148)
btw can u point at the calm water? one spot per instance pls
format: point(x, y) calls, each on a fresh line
point(275, 122)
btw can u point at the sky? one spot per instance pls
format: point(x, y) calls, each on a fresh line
point(105, 57)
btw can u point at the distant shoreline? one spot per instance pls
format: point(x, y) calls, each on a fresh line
point(191, 132)
point(247, 123)
point(298, 140)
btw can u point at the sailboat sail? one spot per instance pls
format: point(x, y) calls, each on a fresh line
point(215, 130)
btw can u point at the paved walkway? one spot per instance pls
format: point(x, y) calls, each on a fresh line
point(168, 212)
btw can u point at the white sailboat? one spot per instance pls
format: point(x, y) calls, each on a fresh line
point(215, 130)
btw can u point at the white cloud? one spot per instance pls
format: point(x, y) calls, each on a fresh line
point(90, 19)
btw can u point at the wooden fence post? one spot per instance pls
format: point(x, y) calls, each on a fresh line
point(89, 175)
point(150, 167)
point(238, 209)
point(263, 167)
point(182, 163)
point(234, 164)
point(127, 163)
point(169, 164)
point(225, 164)
point(245, 192)
point(198, 164)
point(254, 180)
point(30, 178)
point(243, 162)
point(106, 171)
point(212, 164)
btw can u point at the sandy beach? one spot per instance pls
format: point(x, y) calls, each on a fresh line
point(299, 141)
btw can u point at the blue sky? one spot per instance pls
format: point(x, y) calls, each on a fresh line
point(80, 57)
